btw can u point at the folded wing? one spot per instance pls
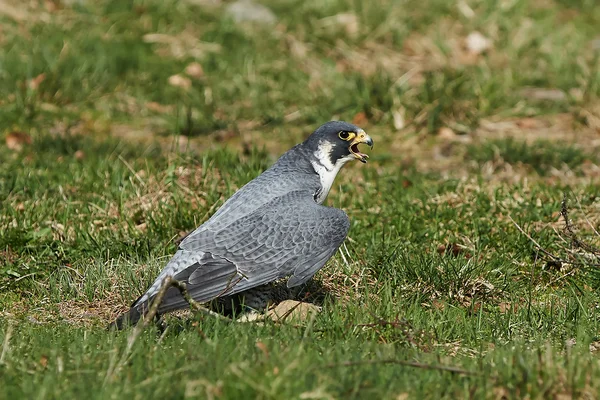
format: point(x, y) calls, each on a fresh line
point(290, 236)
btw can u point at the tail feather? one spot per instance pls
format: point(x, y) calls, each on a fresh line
point(130, 318)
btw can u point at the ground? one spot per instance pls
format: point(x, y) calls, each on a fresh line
point(472, 264)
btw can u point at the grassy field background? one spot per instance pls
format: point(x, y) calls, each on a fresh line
point(126, 123)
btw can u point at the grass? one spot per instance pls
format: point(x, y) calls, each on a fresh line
point(437, 293)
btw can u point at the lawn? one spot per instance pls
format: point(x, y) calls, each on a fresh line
point(472, 265)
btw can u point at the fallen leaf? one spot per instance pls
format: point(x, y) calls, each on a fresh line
point(17, 140)
point(360, 119)
point(501, 393)
point(298, 49)
point(44, 361)
point(79, 155)
point(446, 133)
point(180, 81)
point(438, 305)
point(34, 83)
point(263, 347)
point(53, 5)
point(506, 307)
point(159, 108)
point(453, 249)
point(529, 123)
point(291, 310)
point(194, 70)
point(594, 346)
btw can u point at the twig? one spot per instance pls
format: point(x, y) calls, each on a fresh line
point(413, 364)
point(571, 234)
point(546, 252)
point(534, 242)
point(181, 286)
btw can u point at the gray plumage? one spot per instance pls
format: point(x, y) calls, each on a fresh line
point(272, 228)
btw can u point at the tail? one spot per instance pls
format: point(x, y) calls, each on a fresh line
point(130, 318)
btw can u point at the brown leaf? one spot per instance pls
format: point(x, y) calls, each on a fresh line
point(79, 155)
point(360, 119)
point(446, 133)
point(194, 70)
point(143, 227)
point(438, 305)
point(44, 361)
point(34, 84)
point(17, 140)
point(159, 108)
point(501, 393)
point(263, 347)
point(506, 307)
point(453, 249)
point(53, 5)
point(289, 310)
point(180, 81)
point(529, 123)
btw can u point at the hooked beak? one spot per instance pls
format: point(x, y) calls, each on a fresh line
point(361, 137)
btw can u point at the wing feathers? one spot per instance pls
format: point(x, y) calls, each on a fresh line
point(289, 236)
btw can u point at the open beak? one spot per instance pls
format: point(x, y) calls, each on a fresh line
point(361, 137)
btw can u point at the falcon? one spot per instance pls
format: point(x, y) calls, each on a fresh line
point(274, 229)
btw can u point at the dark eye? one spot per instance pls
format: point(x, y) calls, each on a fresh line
point(344, 135)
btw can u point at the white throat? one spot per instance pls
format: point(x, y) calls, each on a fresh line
point(326, 169)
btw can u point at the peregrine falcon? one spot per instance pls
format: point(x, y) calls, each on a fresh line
point(274, 227)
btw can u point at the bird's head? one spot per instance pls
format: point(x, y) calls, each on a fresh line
point(337, 142)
